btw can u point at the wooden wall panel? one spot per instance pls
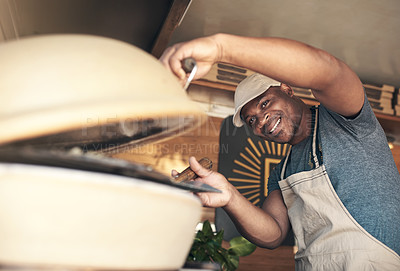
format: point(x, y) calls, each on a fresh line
point(279, 259)
point(396, 156)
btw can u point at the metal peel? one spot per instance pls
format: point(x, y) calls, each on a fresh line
point(95, 163)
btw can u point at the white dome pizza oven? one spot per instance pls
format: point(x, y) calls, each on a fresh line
point(63, 205)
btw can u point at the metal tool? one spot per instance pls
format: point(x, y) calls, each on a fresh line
point(189, 65)
point(97, 163)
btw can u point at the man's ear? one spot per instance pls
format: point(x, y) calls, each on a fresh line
point(287, 89)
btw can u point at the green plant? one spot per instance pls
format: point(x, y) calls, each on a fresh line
point(207, 247)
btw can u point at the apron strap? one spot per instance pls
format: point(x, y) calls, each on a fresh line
point(284, 164)
point(314, 146)
point(314, 143)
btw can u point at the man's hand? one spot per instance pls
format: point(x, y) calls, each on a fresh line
point(266, 226)
point(205, 51)
point(215, 179)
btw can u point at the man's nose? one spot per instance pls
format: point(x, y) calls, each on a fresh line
point(262, 119)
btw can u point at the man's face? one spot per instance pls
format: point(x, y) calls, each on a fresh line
point(274, 115)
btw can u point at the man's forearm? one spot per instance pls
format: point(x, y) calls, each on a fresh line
point(254, 223)
point(287, 61)
point(294, 63)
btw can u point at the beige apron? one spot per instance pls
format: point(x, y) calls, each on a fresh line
point(328, 237)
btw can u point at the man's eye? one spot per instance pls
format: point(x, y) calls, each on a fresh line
point(264, 104)
point(251, 121)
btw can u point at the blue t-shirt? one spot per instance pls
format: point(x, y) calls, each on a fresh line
point(361, 168)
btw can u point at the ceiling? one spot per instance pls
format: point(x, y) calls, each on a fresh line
point(363, 33)
point(138, 22)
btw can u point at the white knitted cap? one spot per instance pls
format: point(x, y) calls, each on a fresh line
point(247, 90)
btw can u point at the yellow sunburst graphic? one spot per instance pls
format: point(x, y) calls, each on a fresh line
point(253, 166)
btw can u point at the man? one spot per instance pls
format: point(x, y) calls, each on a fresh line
point(339, 187)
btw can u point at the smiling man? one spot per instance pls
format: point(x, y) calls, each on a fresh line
point(339, 186)
point(271, 110)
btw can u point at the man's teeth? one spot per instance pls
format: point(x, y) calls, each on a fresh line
point(276, 124)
